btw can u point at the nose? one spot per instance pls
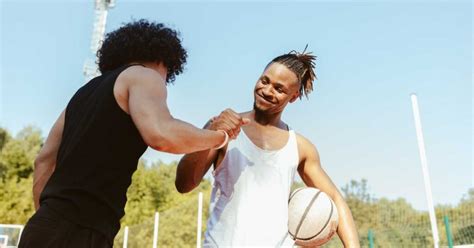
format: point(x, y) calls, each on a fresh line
point(267, 90)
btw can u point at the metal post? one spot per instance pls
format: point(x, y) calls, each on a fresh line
point(155, 230)
point(371, 239)
point(199, 222)
point(449, 235)
point(125, 237)
point(424, 166)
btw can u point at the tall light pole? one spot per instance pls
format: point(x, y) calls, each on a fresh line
point(98, 31)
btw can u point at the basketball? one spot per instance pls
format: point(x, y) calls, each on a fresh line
point(312, 217)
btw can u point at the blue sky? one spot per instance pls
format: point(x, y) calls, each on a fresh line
point(371, 56)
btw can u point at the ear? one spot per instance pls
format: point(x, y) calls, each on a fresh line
point(294, 97)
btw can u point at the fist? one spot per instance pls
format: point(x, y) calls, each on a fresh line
point(229, 121)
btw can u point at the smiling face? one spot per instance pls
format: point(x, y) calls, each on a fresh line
point(276, 87)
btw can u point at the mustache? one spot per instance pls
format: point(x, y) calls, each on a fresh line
point(266, 98)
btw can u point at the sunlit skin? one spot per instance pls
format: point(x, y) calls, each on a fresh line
point(274, 90)
point(276, 87)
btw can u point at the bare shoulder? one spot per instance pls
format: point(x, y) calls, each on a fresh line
point(306, 148)
point(140, 80)
point(141, 74)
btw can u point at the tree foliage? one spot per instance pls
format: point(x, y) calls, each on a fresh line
point(393, 222)
point(16, 179)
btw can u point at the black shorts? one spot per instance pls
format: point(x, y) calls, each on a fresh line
point(48, 229)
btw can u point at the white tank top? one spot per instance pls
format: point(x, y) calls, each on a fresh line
point(249, 201)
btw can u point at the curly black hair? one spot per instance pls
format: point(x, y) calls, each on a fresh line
point(143, 41)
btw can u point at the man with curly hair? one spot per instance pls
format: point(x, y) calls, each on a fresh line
point(84, 169)
point(254, 172)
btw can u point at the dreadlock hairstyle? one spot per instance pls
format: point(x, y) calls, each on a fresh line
point(302, 64)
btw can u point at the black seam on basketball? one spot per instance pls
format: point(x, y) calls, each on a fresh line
point(322, 229)
point(294, 193)
point(306, 212)
point(291, 234)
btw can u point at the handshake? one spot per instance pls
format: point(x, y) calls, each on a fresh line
point(228, 121)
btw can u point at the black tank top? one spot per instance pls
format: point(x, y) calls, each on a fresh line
point(99, 152)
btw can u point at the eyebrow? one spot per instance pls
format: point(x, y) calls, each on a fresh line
point(275, 83)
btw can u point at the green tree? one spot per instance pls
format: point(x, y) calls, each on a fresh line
point(4, 137)
point(18, 154)
point(16, 200)
point(16, 180)
point(152, 190)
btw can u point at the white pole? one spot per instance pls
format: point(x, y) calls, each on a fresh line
point(5, 240)
point(199, 224)
point(424, 166)
point(125, 237)
point(155, 230)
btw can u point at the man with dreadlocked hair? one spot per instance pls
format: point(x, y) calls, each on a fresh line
point(254, 172)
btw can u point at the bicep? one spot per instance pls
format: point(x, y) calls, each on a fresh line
point(147, 106)
point(313, 174)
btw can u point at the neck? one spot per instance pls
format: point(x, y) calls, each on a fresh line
point(266, 119)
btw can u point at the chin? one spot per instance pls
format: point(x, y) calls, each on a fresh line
point(257, 107)
point(260, 108)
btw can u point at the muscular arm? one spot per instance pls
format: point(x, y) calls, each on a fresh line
point(146, 93)
point(313, 175)
point(192, 168)
point(45, 162)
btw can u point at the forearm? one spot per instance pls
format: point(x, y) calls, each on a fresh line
point(346, 230)
point(181, 137)
point(192, 168)
point(45, 162)
point(41, 175)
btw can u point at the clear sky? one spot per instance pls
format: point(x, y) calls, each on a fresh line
point(371, 56)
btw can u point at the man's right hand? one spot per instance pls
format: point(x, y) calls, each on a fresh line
point(228, 121)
